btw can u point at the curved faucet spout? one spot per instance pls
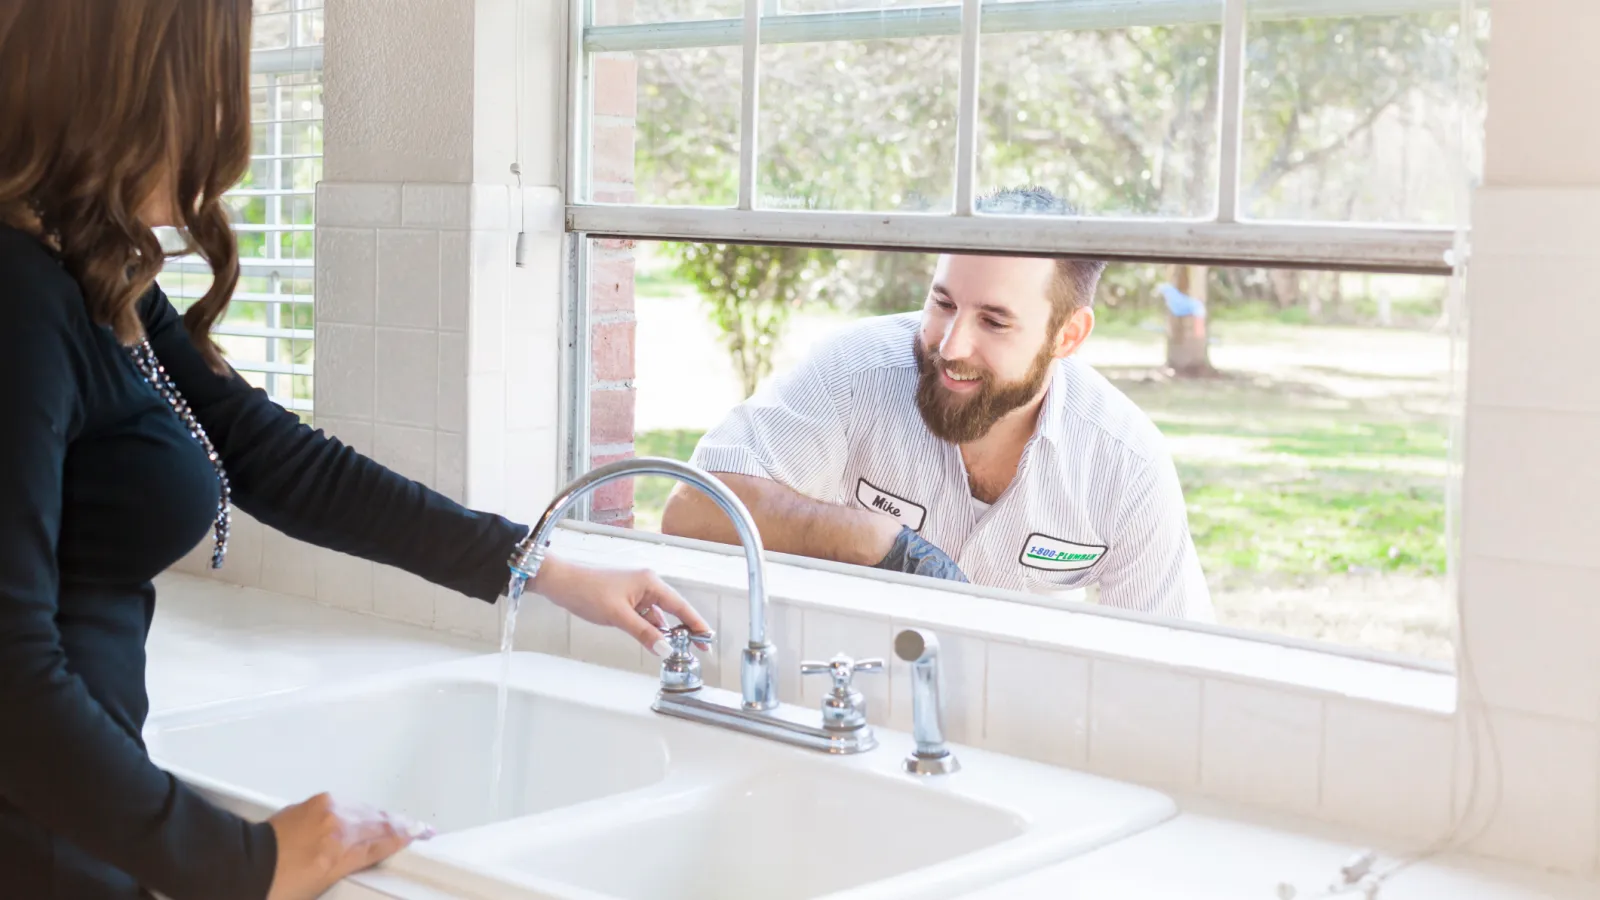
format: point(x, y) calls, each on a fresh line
point(758, 672)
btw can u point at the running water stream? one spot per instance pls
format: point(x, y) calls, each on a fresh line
point(508, 630)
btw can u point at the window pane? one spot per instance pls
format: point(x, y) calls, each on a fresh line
point(859, 125)
point(666, 127)
point(786, 7)
point(629, 12)
point(1119, 121)
point(308, 28)
point(1307, 413)
point(1355, 119)
point(271, 32)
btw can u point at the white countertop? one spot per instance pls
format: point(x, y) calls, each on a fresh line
point(213, 642)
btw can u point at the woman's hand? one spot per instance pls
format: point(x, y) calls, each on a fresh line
point(321, 841)
point(631, 600)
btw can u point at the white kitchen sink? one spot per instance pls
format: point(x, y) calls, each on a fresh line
point(421, 748)
point(606, 799)
point(784, 834)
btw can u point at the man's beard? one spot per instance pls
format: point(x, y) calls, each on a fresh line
point(962, 419)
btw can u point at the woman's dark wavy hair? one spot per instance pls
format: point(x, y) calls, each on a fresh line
point(109, 105)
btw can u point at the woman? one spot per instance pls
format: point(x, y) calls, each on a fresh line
point(120, 116)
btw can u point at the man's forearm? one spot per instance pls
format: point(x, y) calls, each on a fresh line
point(789, 522)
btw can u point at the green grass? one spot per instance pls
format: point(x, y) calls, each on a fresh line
point(1259, 527)
point(650, 494)
point(1304, 487)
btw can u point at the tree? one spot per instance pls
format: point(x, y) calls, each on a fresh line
point(1118, 121)
point(1188, 342)
point(749, 291)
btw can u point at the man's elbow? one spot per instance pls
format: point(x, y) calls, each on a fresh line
point(689, 514)
point(675, 517)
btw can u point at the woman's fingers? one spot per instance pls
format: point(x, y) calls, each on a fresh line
point(662, 595)
point(652, 614)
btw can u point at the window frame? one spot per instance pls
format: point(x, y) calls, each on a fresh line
point(296, 59)
point(1224, 239)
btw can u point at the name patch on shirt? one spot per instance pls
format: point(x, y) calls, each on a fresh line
point(907, 513)
point(1050, 554)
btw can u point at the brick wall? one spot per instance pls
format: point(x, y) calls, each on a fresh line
point(611, 314)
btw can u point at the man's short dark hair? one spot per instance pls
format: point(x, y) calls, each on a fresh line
point(1076, 279)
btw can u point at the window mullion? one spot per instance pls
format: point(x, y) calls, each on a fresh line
point(1231, 145)
point(747, 104)
point(967, 110)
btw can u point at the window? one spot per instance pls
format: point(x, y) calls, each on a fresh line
point(267, 333)
point(746, 181)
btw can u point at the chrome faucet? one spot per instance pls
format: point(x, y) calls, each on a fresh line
point(843, 727)
point(757, 674)
point(931, 756)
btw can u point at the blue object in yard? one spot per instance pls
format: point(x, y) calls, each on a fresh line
point(1181, 304)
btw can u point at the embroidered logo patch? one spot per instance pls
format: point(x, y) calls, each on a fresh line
point(1050, 554)
point(904, 511)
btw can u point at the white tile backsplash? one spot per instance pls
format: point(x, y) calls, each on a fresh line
point(1550, 510)
point(469, 616)
point(604, 645)
point(407, 450)
point(346, 275)
point(542, 626)
point(1036, 704)
point(397, 594)
point(491, 207)
point(1553, 668)
point(1261, 745)
point(344, 581)
point(455, 274)
point(353, 433)
point(408, 278)
point(407, 377)
point(486, 326)
point(1144, 724)
point(857, 637)
point(1516, 298)
point(1534, 221)
point(486, 442)
point(452, 411)
point(1387, 769)
point(530, 370)
point(1548, 799)
point(343, 387)
point(288, 566)
point(357, 204)
point(530, 472)
point(435, 205)
point(450, 464)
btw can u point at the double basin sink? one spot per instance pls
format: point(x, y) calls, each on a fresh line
point(601, 798)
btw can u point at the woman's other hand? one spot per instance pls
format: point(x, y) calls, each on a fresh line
point(321, 840)
point(632, 600)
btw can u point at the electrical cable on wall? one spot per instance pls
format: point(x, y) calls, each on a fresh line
point(520, 40)
point(1361, 874)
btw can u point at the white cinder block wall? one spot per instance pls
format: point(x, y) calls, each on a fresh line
point(438, 356)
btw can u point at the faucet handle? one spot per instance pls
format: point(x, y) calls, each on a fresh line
point(680, 671)
point(843, 670)
point(679, 637)
point(844, 708)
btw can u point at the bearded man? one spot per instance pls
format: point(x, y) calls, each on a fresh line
point(964, 442)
